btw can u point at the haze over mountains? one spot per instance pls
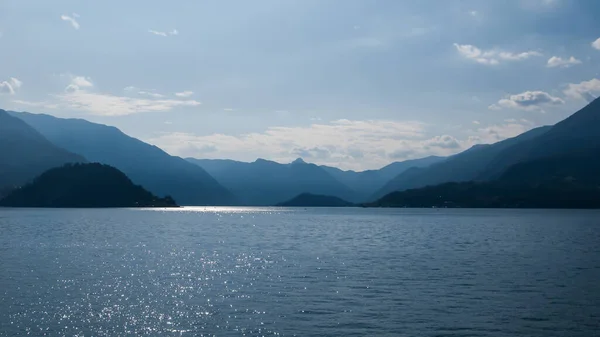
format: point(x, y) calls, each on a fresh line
point(265, 182)
point(554, 160)
point(465, 166)
point(25, 153)
point(145, 164)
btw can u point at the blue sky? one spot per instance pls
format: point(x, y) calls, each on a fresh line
point(351, 83)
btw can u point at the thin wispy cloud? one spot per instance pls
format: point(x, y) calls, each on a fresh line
point(186, 93)
point(596, 44)
point(80, 96)
point(165, 34)
point(493, 56)
point(556, 61)
point(10, 86)
point(143, 92)
point(71, 19)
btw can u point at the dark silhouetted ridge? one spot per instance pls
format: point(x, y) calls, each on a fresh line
point(145, 164)
point(83, 185)
point(25, 153)
point(315, 200)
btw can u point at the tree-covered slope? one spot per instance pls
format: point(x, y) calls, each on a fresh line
point(83, 185)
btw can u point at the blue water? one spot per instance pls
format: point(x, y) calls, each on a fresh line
point(303, 272)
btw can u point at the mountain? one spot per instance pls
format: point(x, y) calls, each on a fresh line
point(315, 200)
point(580, 169)
point(465, 166)
point(83, 185)
point(494, 195)
point(145, 164)
point(576, 134)
point(366, 183)
point(562, 181)
point(25, 153)
point(266, 183)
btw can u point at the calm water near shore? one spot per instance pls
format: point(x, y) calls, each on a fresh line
point(299, 272)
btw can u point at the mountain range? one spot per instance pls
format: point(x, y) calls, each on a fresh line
point(266, 183)
point(145, 164)
point(554, 158)
point(25, 153)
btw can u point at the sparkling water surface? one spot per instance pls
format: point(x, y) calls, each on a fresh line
point(299, 272)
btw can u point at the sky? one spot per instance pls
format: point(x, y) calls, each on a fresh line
point(349, 83)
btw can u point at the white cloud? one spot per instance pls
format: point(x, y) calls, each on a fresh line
point(528, 100)
point(78, 82)
point(491, 57)
point(112, 105)
point(46, 105)
point(10, 86)
point(476, 122)
point(165, 34)
point(444, 142)
point(184, 94)
point(150, 94)
point(71, 20)
point(351, 144)
point(556, 61)
point(79, 97)
point(143, 92)
point(596, 44)
point(82, 82)
point(495, 133)
point(587, 90)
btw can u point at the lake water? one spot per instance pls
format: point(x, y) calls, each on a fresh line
point(303, 272)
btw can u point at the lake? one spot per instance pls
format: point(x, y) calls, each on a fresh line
point(299, 272)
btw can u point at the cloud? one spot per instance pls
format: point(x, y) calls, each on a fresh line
point(596, 44)
point(151, 94)
point(495, 133)
point(46, 105)
point(349, 144)
point(444, 142)
point(71, 20)
point(556, 61)
point(184, 94)
point(491, 57)
point(476, 122)
point(352, 144)
point(78, 96)
point(112, 105)
point(10, 86)
point(165, 34)
point(528, 100)
point(143, 92)
point(77, 83)
point(584, 90)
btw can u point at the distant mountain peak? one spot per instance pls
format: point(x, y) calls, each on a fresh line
point(299, 161)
